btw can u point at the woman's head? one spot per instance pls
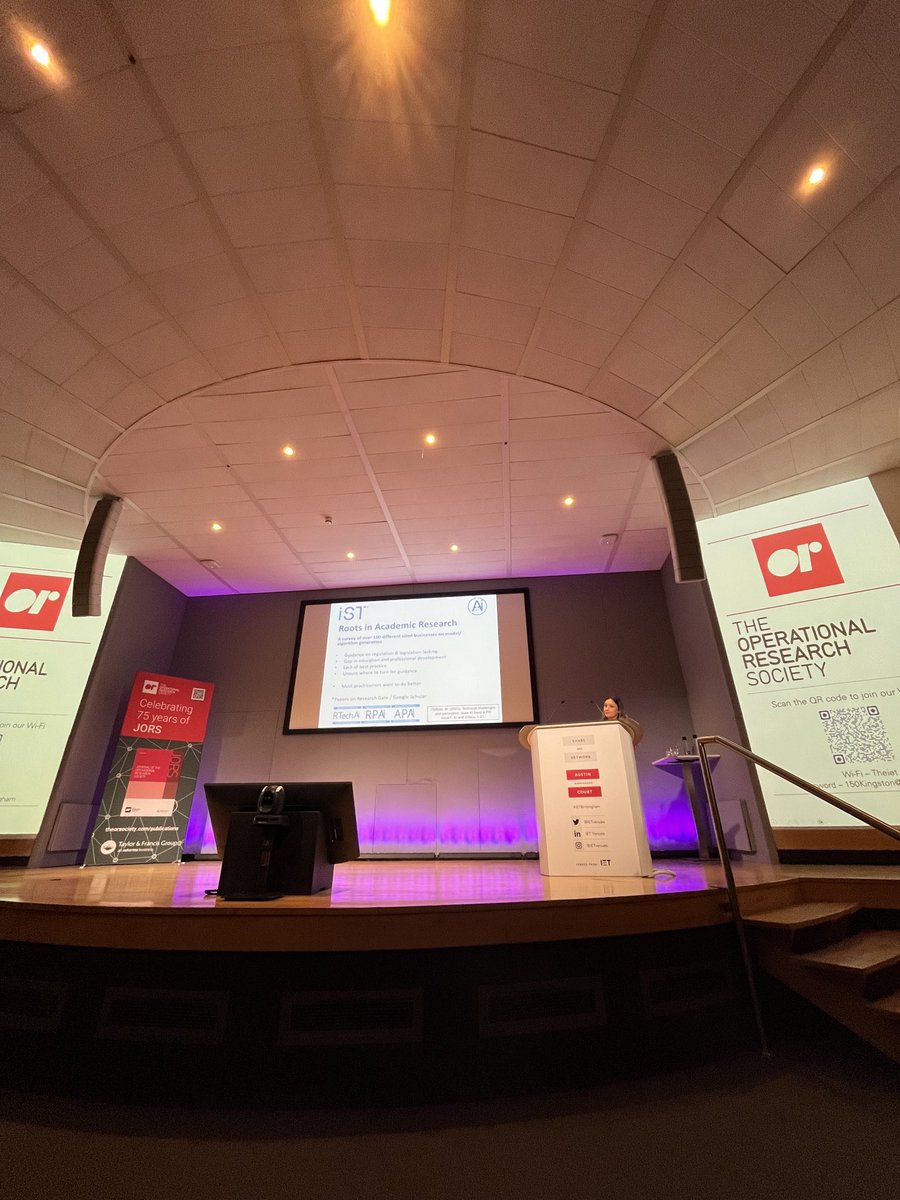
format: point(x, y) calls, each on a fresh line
point(613, 708)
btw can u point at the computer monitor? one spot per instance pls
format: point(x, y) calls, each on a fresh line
point(281, 839)
point(333, 800)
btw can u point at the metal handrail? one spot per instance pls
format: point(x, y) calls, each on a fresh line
point(813, 790)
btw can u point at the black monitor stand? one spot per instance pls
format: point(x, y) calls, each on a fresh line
point(268, 855)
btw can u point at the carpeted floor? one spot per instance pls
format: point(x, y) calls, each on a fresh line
point(820, 1120)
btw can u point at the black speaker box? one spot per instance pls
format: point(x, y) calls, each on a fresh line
point(687, 558)
point(88, 580)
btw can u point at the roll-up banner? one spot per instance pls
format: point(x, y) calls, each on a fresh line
point(146, 803)
point(807, 594)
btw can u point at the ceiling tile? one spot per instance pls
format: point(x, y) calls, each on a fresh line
point(424, 344)
point(118, 314)
point(585, 299)
point(24, 317)
point(502, 277)
point(419, 86)
point(867, 352)
point(20, 175)
point(241, 85)
point(485, 352)
point(257, 354)
point(594, 44)
point(318, 345)
point(401, 308)
point(308, 308)
point(91, 121)
point(831, 288)
point(555, 368)
point(528, 175)
point(278, 215)
point(829, 380)
point(730, 263)
point(611, 259)
point(167, 239)
point(770, 220)
point(135, 184)
point(297, 265)
point(858, 107)
point(697, 302)
point(507, 228)
point(254, 158)
point(78, 275)
point(196, 285)
point(717, 447)
point(620, 394)
point(508, 322)
point(672, 158)
point(793, 150)
point(398, 264)
point(39, 229)
point(224, 324)
point(775, 42)
point(792, 322)
point(541, 110)
point(794, 403)
point(152, 348)
point(642, 368)
point(666, 335)
point(573, 339)
point(395, 214)
point(642, 213)
point(870, 242)
point(385, 155)
point(705, 90)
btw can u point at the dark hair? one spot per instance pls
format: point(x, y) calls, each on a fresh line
point(618, 703)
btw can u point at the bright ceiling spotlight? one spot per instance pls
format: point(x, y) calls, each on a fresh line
point(216, 527)
point(568, 501)
point(430, 439)
point(288, 451)
point(40, 54)
point(454, 547)
point(350, 554)
point(381, 11)
point(816, 176)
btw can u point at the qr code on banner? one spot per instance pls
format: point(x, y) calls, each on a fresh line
point(856, 735)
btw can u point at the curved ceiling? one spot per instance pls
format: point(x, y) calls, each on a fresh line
point(558, 239)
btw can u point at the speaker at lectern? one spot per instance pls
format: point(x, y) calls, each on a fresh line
point(588, 800)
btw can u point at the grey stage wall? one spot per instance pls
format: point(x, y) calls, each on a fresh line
point(140, 635)
point(593, 635)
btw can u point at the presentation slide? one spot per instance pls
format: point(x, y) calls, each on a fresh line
point(806, 594)
point(45, 657)
point(412, 661)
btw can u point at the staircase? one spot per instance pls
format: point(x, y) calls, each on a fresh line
point(837, 943)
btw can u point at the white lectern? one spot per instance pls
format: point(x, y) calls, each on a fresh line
point(590, 819)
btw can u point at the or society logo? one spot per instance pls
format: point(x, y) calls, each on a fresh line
point(32, 601)
point(108, 847)
point(151, 687)
point(797, 560)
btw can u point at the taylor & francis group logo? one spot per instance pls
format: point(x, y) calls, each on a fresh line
point(30, 601)
point(797, 560)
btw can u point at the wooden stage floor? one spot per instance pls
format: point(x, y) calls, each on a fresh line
point(383, 905)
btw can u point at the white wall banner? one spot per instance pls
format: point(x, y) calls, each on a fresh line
point(807, 595)
point(46, 655)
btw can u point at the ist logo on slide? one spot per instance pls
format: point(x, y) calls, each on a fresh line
point(32, 601)
point(797, 560)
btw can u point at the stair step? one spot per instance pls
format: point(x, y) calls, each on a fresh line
point(888, 1006)
point(860, 954)
point(801, 916)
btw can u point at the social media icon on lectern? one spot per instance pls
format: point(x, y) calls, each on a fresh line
point(797, 560)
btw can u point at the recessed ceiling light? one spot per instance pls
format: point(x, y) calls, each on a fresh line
point(568, 501)
point(40, 54)
point(216, 527)
point(350, 554)
point(288, 451)
point(430, 439)
point(816, 176)
point(381, 11)
point(454, 547)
